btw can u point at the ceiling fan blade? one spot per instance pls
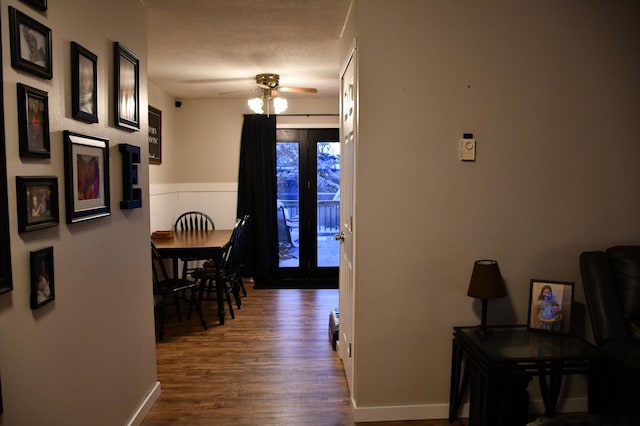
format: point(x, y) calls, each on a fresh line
point(298, 89)
point(250, 91)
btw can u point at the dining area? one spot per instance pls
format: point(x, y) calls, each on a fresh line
point(194, 263)
point(218, 370)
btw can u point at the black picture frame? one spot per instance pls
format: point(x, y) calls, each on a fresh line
point(6, 278)
point(33, 122)
point(40, 5)
point(127, 87)
point(37, 202)
point(84, 84)
point(86, 177)
point(550, 305)
point(31, 47)
point(155, 135)
point(42, 277)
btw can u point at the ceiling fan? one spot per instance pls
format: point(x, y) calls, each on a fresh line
point(270, 84)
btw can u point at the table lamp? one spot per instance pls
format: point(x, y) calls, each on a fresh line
point(486, 283)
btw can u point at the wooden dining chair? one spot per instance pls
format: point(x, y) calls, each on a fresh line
point(240, 252)
point(192, 221)
point(230, 270)
point(178, 289)
point(207, 274)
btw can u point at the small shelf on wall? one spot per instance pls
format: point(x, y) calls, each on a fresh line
point(131, 194)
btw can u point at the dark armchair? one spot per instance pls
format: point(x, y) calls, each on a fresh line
point(611, 281)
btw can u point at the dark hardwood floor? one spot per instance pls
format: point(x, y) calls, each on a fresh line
point(272, 365)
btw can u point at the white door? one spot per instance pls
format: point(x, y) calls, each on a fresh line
point(347, 173)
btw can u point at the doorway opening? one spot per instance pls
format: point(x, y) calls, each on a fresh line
point(308, 205)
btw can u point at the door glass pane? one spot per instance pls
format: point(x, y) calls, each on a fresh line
point(328, 203)
point(288, 204)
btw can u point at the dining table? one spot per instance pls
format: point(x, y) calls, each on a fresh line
point(202, 244)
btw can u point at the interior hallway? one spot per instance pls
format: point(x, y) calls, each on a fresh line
point(272, 365)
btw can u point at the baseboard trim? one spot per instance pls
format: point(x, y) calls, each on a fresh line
point(401, 412)
point(441, 411)
point(146, 405)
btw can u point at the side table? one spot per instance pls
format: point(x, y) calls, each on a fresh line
point(502, 362)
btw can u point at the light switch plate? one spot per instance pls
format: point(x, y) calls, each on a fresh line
point(467, 149)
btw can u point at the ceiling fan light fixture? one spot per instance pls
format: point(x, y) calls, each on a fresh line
point(256, 105)
point(280, 105)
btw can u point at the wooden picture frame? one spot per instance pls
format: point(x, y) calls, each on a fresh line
point(37, 202)
point(33, 122)
point(84, 84)
point(42, 277)
point(86, 177)
point(155, 135)
point(40, 5)
point(31, 48)
point(127, 87)
point(550, 304)
point(6, 279)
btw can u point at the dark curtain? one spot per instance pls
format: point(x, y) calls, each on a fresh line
point(257, 195)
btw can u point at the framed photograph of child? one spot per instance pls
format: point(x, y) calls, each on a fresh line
point(550, 304)
point(86, 177)
point(42, 277)
point(37, 199)
point(84, 84)
point(31, 46)
point(33, 122)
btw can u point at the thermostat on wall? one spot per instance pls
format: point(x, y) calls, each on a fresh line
point(468, 147)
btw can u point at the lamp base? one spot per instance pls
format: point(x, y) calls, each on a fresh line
point(482, 328)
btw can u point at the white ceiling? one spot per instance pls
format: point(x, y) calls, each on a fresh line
point(207, 48)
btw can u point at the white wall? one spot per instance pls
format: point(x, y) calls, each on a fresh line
point(549, 91)
point(202, 146)
point(88, 357)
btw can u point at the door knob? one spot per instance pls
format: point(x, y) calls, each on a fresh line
point(339, 237)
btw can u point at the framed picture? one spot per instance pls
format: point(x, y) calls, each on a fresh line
point(155, 135)
point(127, 90)
point(33, 122)
point(84, 84)
point(40, 5)
point(86, 177)
point(550, 305)
point(37, 199)
point(6, 280)
point(30, 45)
point(42, 277)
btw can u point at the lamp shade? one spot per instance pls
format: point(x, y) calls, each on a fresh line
point(486, 281)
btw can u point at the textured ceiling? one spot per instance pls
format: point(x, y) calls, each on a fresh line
point(208, 48)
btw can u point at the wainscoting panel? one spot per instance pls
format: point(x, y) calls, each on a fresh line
point(167, 201)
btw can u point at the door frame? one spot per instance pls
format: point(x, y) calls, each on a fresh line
point(306, 189)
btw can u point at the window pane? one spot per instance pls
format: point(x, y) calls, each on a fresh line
point(287, 171)
point(328, 203)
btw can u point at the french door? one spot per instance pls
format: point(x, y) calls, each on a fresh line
point(308, 203)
